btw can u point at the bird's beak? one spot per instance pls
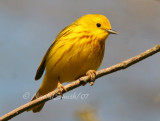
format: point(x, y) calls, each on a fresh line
point(111, 31)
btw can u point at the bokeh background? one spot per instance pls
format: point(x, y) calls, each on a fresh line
point(27, 29)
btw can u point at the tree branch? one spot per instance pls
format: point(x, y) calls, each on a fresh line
point(81, 81)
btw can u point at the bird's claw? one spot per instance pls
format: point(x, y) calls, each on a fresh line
point(61, 88)
point(92, 75)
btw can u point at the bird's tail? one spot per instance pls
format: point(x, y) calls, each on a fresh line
point(46, 87)
point(39, 107)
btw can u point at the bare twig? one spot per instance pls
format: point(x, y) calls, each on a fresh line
point(81, 81)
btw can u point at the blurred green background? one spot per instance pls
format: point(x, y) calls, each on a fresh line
point(27, 29)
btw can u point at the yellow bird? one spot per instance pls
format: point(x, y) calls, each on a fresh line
point(77, 50)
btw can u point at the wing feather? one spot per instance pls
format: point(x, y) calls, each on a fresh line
point(42, 65)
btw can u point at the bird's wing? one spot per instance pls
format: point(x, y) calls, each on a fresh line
point(42, 65)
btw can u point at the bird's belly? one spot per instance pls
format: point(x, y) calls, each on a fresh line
point(78, 67)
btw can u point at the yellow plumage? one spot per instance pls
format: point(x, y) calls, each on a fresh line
point(77, 49)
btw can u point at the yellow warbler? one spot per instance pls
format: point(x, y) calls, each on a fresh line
point(77, 50)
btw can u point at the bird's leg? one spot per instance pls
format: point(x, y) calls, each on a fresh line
point(61, 88)
point(92, 75)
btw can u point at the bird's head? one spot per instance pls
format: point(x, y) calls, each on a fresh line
point(98, 25)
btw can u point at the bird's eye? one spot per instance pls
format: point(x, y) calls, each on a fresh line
point(98, 25)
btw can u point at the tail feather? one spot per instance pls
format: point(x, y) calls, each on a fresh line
point(39, 107)
point(47, 86)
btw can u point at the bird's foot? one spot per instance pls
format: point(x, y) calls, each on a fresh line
point(61, 88)
point(92, 75)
